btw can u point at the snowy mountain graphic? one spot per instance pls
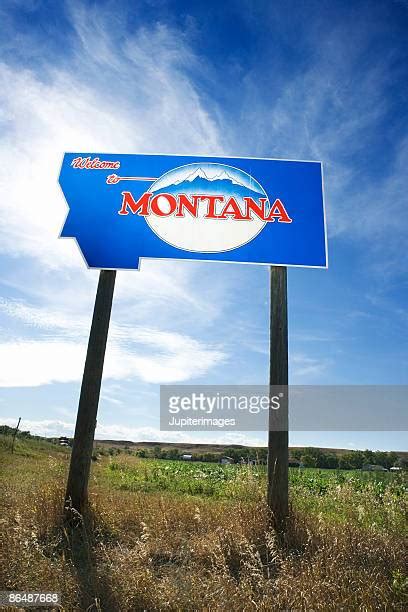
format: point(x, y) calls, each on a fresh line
point(208, 176)
point(217, 175)
point(216, 186)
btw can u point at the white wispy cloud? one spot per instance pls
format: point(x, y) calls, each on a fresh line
point(304, 367)
point(138, 99)
point(156, 357)
point(117, 95)
point(150, 354)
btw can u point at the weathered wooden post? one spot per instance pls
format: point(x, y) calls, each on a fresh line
point(278, 452)
point(77, 487)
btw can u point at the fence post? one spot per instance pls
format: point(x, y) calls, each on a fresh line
point(14, 434)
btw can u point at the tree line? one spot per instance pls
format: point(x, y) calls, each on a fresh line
point(351, 460)
point(308, 457)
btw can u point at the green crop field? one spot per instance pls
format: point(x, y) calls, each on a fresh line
point(366, 498)
point(174, 535)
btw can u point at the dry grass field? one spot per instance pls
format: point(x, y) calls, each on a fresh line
point(143, 546)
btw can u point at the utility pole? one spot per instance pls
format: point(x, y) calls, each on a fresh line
point(77, 487)
point(14, 434)
point(278, 451)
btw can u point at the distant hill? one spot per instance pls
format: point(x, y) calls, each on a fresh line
point(6, 436)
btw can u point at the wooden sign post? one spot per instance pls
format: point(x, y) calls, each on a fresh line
point(77, 487)
point(278, 451)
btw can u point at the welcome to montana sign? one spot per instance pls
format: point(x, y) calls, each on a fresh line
point(247, 210)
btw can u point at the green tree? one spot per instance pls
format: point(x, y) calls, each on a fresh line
point(296, 453)
point(211, 457)
point(386, 459)
point(392, 459)
point(313, 457)
point(403, 463)
point(173, 453)
point(309, 460)
point(236, 453)
point(344, 464)
point(353, 460)
point(262, 455)
point(157, 452)
point(331, 462)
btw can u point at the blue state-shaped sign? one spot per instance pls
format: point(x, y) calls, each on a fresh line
point(241, 210)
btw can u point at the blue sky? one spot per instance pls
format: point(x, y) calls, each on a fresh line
point(293, 80)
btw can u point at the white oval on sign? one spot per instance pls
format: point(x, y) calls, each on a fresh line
point(201, 234)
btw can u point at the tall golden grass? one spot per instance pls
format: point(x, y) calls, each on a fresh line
point(148, 551)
